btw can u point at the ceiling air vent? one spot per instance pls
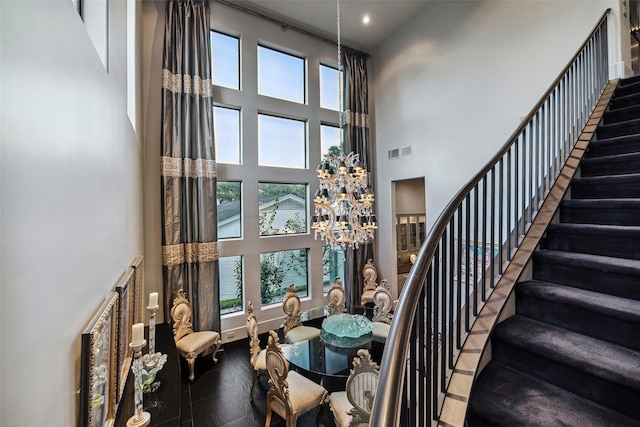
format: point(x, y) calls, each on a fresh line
point(394, 154)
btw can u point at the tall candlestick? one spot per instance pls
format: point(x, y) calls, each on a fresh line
point(152, 329)
point(137, 334)
point(139, 418)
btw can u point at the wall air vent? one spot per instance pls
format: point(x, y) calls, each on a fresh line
point(394, 154)
point(406, 151)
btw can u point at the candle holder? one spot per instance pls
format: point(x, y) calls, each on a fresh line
point(139, 418)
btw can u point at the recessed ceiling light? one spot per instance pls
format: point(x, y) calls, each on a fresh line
point(365, 19)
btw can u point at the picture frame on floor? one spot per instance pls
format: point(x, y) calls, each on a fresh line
point(98, 368)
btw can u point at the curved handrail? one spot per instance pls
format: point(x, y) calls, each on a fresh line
point(389, 395)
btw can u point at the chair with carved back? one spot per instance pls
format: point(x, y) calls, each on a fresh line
point(337, 298)
point(290, 394)
point(382, 313)
point(370, 274)
point(352, 407)
point(294, 330)
point(189, 343)
point(258, 355)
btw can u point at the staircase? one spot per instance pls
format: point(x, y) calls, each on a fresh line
point(571, 354)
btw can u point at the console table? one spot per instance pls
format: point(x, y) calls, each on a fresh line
point(164, 403)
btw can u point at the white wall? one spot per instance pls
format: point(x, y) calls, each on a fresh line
point(71, 207)
point(455, 83)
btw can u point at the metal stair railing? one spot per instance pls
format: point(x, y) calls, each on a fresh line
point(475, 238)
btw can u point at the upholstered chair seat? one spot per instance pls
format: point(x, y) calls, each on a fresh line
point(380, 332)
point(301, 333)
point(290, 394)
point(189, 343)
point(352, 407)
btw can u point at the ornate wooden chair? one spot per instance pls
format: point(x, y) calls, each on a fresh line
point(381, 313)
point(189, 343)
point(352, 407)
point(337, 298)
point(294, 330)
point(258, 355)
point(370, 274)
point(290, 394)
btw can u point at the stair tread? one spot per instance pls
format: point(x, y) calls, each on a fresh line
point(625, 157)
point(596, 229)
point(596, 357)
point(609, 305)
point(511, 398)
point(618, 179)
point(603, 203)
point(600, 262)
point(623, 124)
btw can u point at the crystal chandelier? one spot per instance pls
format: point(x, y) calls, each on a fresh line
point(344, 202)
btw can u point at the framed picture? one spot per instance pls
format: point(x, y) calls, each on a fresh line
point(125, 324)
point(484, 256)
point(98, 376)
point(138, 289)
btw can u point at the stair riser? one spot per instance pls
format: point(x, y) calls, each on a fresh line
point(615, 246)
point(626, 89)
point(624, 102)
point(621, 115)
point(613, 147)
point(591, 279)
point(615, 396)
point(597, 325)
point(609, 168)
point(605, 216)
point(618, 129)
point(604, 190)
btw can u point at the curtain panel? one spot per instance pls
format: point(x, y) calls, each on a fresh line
point(188, 168)
point(356, 119)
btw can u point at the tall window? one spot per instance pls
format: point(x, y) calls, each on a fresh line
point(267, 135)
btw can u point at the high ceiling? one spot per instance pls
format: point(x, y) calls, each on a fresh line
point(319, 16)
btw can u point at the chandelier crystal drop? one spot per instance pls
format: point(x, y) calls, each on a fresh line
point(344, 201)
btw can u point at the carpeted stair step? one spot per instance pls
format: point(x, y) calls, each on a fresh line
point(621, 115)
point(624, 101)
point(605, 317)
point(601, 211)
point(503, 397)
point(629, 127)
point(627, 87)
point(604, 373)
point(629, 80)
point(618, 164)
point(611, 146)
point(607, 240)
point(602, 187)
point(612, 276)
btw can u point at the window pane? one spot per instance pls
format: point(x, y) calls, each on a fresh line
point(281, 142)
point(230, 284)
point(229, 198)
point(332, 265)
point(330, 139)
point(280, 75)
point(329, 88)
point(225, 58)
point(280, 269)
point(226, 128)
point(282, 208)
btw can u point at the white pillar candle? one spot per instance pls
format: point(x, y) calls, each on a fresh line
point(153, 300)
point(137, 334)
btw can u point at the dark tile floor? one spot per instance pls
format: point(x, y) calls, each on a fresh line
point(219, 395)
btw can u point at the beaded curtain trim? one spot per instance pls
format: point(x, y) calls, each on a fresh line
point(189, 85)
point(189, 253)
